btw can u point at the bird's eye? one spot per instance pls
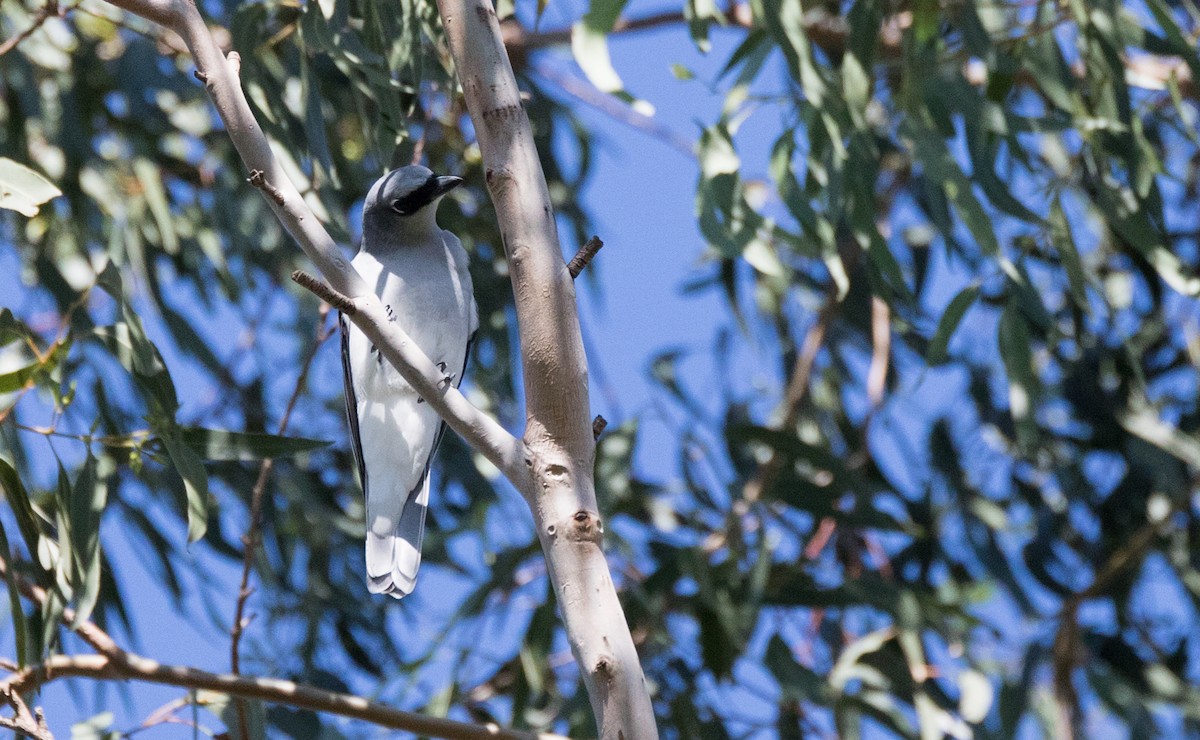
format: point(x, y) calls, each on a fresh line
point(397, 207)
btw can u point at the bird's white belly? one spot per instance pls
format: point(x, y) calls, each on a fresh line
point(429, 304)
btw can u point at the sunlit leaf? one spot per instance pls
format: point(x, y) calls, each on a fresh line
point(22, 189)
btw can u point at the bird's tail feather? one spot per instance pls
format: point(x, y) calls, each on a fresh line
point(394, 558)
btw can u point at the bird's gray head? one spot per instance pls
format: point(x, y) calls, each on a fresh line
point(406, 191)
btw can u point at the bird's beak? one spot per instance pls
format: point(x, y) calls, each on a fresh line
point(445, 184)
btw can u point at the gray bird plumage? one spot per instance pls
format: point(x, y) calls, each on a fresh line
point(420, 273)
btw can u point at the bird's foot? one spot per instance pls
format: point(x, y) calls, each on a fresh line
point(446, 381)
point(447, 378)
point(391, 316)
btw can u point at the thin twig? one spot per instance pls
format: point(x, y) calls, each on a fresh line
point(797, 388)
point(881, 349)
point(30, 723)
point(616, 109)
point(259, 180)
point(325, 292)
point(584, 256)
point(1066, 650)
point(44, 13)
point(253, 534)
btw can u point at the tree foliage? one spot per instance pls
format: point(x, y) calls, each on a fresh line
point(969, 270)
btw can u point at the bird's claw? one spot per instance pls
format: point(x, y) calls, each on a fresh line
point(391, 316)
point(444, 383)
point(447, 378)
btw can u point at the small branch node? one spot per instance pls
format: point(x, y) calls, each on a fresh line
point(584, 256)
point(598, 426)
point(325, 292)
point(259, 180)
point(604, 668)
point(235, 63)
point(585, 527)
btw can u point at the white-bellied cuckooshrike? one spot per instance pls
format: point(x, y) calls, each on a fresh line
point(420, 274)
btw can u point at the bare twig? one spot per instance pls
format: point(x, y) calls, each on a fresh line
point(584, 256)
point(30, 723)
point(616, 109)
point(1067, 651)
point(797, 388)
point(881, 349)
point(253, 534)
point(322, 290)
point(259, 180)
point(44, 13)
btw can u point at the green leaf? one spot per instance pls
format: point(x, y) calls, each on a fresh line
point(20, 626)
point(88, 497)
point(614, 464)
point(1068, 254)
point(940, 167)
point(18, 500)
point(589, 45)
point(219, 444)
point(96, 728)
point(23, 377)
point(784, 19)
point(791, 446)
point(845, 667)
point(226, 707)
point(156, 198)
point(195, 480)
point(926, 17)
point(937, 354)
point(701, 15)
point(1178, 41)
point(23, 189)
point(1014, 340)
point(11, 328)
point(796, 682)
point(1142, 421)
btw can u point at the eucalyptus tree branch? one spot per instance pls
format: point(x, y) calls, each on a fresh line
point(24, 722)
point(559, 443)
point(584, 256)
point(220, 77)
point(276, 691)
point(112, 662)
point(44, 13)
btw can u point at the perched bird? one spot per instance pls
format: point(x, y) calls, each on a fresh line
point(419, 272)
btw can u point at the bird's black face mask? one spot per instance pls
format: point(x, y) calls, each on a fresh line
point(429, 191)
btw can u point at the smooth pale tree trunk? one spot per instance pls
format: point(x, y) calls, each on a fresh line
point(559, 445)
